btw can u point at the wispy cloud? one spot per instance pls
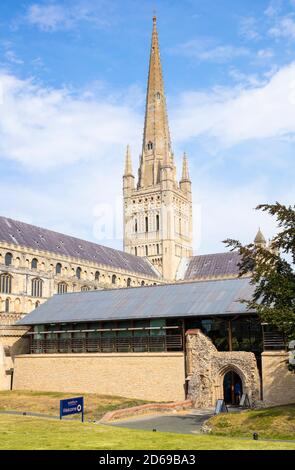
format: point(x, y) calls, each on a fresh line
point(207, 49)
point(249, 28)
point(284, 28)
point(42, 127)
point(234, 116)
point(52, 17)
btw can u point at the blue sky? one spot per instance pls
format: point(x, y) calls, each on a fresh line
point(73, 78)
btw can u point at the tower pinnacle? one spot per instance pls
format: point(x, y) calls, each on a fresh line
point(128, 163)
point(260, 239)
point(185, 171)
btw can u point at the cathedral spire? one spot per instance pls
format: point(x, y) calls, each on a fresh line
point(156, 148)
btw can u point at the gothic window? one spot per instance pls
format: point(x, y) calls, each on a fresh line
point(62, 288)
point(7, 305)
point(150, 146)
point(158, 95)
point(34, 263)
point(114, 279)
point(37, 287)
point(146, 224)
point(142, 283)
point(97, 275)
point(8, 259)
point(128, 282)
point(78, 273)
point(146, 250)
point(135, 226)
point(84, 289)
point(37, 304)
point(157, 222)
point(58, 268)
point(5, 283)
point(135, 251)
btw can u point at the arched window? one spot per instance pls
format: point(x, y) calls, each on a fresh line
point(85, 288)
point(8, 259)
point(78, 273)
point(135, 226)
point(62, 288)
point(157, 222)
point(7, 305)
point(37, 287)
point(37, 304)
point(146, 224)
point(97, 275)
point(58, 268)
point(128, 282)
point(150, 146)
point(142, 283)
point(114, 279)
point(158, 95)
point(135, 251)
point(34, 263)
point(5, 283)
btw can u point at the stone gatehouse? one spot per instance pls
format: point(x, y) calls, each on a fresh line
point(207, 368)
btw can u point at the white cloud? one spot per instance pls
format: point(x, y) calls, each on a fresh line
point(284, 27)
point(53, 17)
point(234, 116)
point(11, 57)
point(208, 50)
point(42, 127)
point(48, 17)
point(265, 54)
point(249, 28)
point(273, 8)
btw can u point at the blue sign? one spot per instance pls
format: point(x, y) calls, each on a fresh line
point(72, 406)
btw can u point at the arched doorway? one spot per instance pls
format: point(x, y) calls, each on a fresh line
point(232, 388)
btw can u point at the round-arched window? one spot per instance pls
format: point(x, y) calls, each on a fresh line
point(58, 268)
point(8, 259)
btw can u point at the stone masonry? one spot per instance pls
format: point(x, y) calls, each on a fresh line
point(206, 368)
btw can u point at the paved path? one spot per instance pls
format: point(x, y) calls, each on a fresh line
point(188, 423)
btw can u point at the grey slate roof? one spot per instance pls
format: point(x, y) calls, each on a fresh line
point(30, 236)
point(206, 298)
point(214, 265)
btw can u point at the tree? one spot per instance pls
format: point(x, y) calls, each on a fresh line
point(272, 274)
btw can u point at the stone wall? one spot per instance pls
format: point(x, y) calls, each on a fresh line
point(12, 342)
point(278, 381)
point(147, 376)
point(206, 368)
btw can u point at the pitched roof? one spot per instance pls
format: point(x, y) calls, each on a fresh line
point(214, 265)
point(206, 298)
point(30, 236)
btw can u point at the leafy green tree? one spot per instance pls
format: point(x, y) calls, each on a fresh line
point(272, 273)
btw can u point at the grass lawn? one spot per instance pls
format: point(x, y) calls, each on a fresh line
point(22, 433)
point(270, 423)
point(48, 402)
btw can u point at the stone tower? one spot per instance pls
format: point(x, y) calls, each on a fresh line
point(158, 209)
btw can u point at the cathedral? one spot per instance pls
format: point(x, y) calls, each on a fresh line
point(157, 208)
point(154, 321)
point(36, 263)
